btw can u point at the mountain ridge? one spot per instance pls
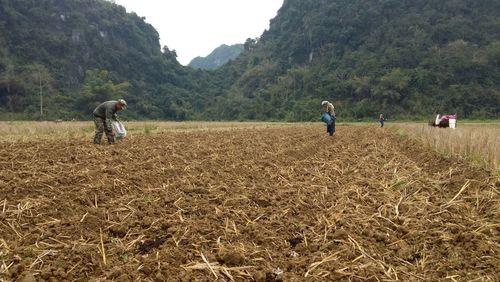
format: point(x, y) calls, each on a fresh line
point(402, 58)
point(218, 57)
point(398, 57)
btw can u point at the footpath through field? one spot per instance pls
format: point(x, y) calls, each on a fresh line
point(264, 203)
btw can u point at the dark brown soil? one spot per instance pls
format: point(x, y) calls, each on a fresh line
point(255, 204)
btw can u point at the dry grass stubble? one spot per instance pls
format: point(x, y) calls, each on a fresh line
point(477, 143)
point(259, 204)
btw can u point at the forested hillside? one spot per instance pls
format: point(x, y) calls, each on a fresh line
point(399, 57)
point(82, 52)
point(218, 57)
point(402, 58)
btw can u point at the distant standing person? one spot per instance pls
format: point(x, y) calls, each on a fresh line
point(381, 119)
point(104, 115)
point(329, 109)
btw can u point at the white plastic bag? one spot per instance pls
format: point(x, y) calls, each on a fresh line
point(119, 130)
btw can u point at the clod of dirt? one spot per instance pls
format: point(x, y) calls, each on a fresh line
point(295, 241)
point(123, 278)
point(149, 245)
point(27, 277)
point(146, 270)
point(159, 277)
point(231, 258)
point(195, 191)
point(403, 250)
point(16, 270)
point(262, 202)
point(259, 277)
point(146, 222)
point(118, 231)
point(340, 234)
point(111, 171)
point(274, 276)
point(60, 273)
point(115, 273)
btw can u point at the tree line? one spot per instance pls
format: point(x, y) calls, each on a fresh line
point(403, 58)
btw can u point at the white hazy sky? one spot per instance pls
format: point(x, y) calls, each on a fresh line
point(196, 27)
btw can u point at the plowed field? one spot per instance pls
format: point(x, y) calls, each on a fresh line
point(259, 204)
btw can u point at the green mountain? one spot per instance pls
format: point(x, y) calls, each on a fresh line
point(82, 52)
point(398, 57)
point(218, 57)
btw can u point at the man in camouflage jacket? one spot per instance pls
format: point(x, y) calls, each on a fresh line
point(104, 115)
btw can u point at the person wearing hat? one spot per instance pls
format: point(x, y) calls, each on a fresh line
point(104, 114)
point(329, 109)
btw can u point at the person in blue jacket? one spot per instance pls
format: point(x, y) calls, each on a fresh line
point(329, 117)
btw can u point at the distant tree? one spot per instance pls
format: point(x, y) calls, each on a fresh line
point(169, 54)
point(98, 88)
point(250, 44)
point(38, 81)
point(9, 82)
point(24, 89)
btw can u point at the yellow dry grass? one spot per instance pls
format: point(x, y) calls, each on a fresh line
point(48, 130)
point(476, 142)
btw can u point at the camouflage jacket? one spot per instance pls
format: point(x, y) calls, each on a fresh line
point(107, 111)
